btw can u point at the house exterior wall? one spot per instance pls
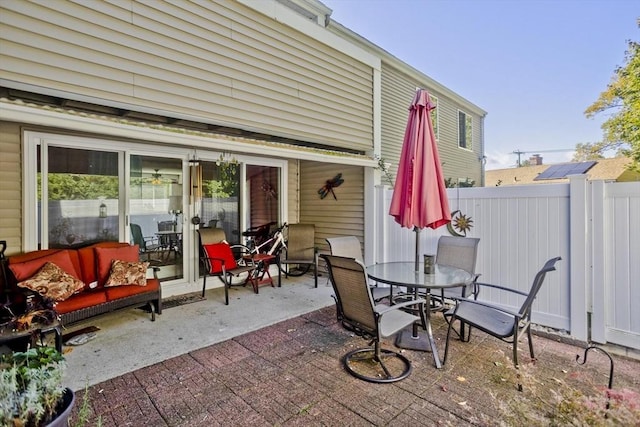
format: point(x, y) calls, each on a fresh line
point(10, 185)
point(219, 61)
point(398, 90)
point(342, 216)
point(236, 65)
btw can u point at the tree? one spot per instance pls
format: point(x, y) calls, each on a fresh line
point(622, 129)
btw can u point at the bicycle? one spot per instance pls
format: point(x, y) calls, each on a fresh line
point(253, 253)
point(277, 240)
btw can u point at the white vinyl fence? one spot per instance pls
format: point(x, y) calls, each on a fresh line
point(594, 226)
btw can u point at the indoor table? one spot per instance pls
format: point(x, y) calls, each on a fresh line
point(404, 274)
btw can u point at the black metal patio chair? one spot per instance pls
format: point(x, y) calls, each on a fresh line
point(498, 321)
point(359, 314)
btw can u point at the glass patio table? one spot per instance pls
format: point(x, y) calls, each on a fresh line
point(404, 274)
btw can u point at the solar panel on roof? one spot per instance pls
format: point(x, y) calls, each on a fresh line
point(564, 170)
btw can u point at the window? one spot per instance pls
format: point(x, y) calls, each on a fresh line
point(465, 139)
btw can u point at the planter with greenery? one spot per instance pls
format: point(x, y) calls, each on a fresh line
point(31, 391)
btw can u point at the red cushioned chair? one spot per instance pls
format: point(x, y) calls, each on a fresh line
point(220, 261)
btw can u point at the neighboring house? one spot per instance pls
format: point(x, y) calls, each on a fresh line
point(120, 107)
point(614, 169)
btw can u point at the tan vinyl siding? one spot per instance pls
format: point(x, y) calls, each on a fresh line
point(341, 217)
point(398, 91)
point(217, 61)
point(10, 187)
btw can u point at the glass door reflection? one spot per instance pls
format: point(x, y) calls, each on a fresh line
point(156, 209)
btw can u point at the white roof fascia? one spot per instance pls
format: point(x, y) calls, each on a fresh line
point(20, 112)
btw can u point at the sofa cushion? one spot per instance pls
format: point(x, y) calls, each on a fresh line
point(105, 257)
point(89, 262)
point(23, 270)
point(82, 300)
point(53, 282)
point(127, 273)
point(117, 292)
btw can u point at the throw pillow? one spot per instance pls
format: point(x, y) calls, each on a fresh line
point(105, 257)
point(53, 282)
point(127, 273)
point(217, 254)
point(26, 269)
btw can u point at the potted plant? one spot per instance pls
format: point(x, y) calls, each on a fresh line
point(31, 391)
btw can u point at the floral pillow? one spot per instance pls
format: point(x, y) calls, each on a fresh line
point(53, 282)
point(127, 273)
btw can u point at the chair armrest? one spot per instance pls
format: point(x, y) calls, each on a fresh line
point(489, 305)
point(150, 239)
point(381, 308)
point(155, 270)
point(213, 258)
point(502, 288)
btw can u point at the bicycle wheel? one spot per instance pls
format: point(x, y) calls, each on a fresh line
point(294, 270)
point(243, 257)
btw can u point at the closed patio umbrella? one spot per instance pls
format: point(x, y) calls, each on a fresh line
point(419, 196)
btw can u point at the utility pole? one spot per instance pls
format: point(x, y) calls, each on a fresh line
point(519, 153)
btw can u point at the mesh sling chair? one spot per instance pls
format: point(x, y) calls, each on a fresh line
point(459, 252)
point(359, 314)
point(498, 321)
point(349, 246)
point(300, 250)
point(219, 260)
point(146, 245)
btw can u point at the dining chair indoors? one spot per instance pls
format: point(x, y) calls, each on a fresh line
point(300, 251)
point(146, 245)
point(219, 260)
point(498, 321)
point(359, 314)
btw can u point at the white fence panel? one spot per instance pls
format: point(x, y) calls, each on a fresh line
point(616, 266)
point(519, 229)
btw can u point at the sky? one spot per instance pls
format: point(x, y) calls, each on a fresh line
point(533, 66)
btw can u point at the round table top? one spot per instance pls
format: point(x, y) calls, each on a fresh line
point(404, 274)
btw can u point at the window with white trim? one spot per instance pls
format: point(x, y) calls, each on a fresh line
point(465, 130)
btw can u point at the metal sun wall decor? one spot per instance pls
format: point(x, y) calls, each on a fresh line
point(459, 224)
point(329, 185)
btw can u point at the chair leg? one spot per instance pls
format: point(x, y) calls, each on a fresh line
point(446, 344)
point(226, 289)
point(204, 284)
point(515, 346)
point(530, 342)
point(279, 272)
point(315, 273)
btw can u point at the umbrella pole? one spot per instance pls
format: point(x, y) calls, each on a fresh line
point(417, 262)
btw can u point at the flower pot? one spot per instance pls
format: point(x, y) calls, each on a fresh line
point(64, 409)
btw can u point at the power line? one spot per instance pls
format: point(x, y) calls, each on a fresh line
point(557, 150)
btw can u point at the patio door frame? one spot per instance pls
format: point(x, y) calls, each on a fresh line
point(190, 280)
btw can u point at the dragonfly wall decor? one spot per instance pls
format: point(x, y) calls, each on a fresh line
point(329, 185)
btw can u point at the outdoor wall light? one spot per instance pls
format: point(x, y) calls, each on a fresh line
point(102, 212)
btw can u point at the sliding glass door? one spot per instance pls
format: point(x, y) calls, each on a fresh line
point(156, 212)
point(81, 193)
point(81, 190)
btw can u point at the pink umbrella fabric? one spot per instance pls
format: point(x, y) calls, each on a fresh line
point(419, 195)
